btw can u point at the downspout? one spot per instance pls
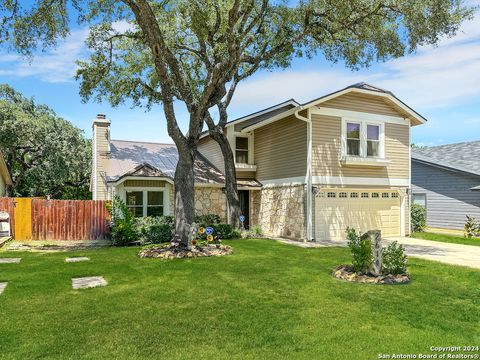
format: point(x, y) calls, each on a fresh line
point(308, 175)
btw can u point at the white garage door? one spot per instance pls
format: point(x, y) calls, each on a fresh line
point(337, 209)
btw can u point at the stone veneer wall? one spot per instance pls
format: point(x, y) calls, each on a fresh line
point(280, 211)
point(211, 200)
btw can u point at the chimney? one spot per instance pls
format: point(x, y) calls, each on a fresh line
point(100, 149)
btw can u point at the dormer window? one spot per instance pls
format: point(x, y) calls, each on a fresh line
point(241, 150)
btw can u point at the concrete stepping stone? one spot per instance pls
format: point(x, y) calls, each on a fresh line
point(88, 282)
point(76, 259)
point(10, 260)
point(3, 285)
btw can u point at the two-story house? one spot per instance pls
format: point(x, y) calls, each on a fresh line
point(305, 171)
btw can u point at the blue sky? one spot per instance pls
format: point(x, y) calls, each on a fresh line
point(441, 83)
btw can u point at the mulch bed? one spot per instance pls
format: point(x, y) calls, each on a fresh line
point(345, 272)
point(170, 252)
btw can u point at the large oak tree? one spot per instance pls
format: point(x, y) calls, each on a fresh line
point(197, 52)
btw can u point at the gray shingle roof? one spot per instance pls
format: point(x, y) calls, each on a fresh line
point(463, 156)
point(132, 157)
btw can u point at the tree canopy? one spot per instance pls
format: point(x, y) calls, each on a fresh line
point(46, 154)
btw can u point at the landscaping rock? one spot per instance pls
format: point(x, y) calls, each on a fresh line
point(345, 272)
point(170, 252)
point(3, 285)
point(10, 260)
point(77, 259)
point(88, 282)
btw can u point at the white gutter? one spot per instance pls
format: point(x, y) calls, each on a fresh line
point(308, 176)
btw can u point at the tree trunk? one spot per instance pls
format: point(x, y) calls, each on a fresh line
point(230, 178)
point(184, 195)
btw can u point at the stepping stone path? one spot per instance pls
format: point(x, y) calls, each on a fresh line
point(88, 282)
point(77, 259)
point(10, 260)
point(3, 285)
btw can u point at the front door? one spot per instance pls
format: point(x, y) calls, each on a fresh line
point(244, 196)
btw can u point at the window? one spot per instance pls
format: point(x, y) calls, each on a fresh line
point(375, 195)
point(353, 139)
point(155, 203)
point(364, 195)
point(241, 150)
point(373, 140)
point(342, 195)
point(385, 195)
point(331, 195)
point(145, 203)
point(420, 199)
point(354, 195)
point(363, 139)
point(135, 202)
point(394, 195)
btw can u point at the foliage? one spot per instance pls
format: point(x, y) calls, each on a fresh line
point(207, 219)
point(155, 230)
point(206, 235)
point(46, 154)
point(472, 227)
point(254, 232)
point(123, 227)
point(224, 231)
point(452, 239)
point(394, 259)
point(361, 250)
point(418, 215)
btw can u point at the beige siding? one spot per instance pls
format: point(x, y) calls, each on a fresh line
point(2, 186)
point(362, 103)
point(281, 149)
point(245, 174)
point(102, 146)
point(145, 183)
point(211, 150)
point(326, 151)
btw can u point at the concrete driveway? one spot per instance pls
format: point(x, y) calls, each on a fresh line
point(454, 254)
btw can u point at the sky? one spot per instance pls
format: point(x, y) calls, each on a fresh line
point(441, 83)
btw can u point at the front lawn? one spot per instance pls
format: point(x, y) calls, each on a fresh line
point(266, 301)
point(446, 238)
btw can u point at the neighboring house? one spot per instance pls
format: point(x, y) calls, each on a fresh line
point(5, 179)
point(446, 180)
point(305, 171)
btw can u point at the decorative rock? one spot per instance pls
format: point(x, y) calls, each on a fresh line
point(88, 282)
point(174, 253)
point(77, 259)
point(345, 272)
point(3, 285)
point(10, 260)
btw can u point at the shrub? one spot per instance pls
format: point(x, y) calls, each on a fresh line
point(207, 219)
point(394, 259)
point(419, 217)
point(472, 227)
point(224, 231)
point(254, 232)
point(155, 230)
point(361, 249)
point(123, 227)
point(236, 234)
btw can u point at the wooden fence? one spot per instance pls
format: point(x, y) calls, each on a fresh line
point(40, 219)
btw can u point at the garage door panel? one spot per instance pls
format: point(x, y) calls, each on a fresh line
point(334, 214)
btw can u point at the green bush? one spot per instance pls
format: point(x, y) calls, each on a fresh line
point(207, 219)
point(394, 259)
point(361, 249)
point(155, 230)
point(224, 231)
point(254, 232)
point(419, 217)
point(472, 227)
point(123, 227)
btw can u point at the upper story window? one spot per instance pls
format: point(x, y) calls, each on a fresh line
point(363, 139)
point(241, 150)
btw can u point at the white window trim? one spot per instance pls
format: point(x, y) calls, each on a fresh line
point(363, 138)
point(249, 136)
point(145, 190)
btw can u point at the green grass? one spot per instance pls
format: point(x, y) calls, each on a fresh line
point(447, 238)
point(266, 301)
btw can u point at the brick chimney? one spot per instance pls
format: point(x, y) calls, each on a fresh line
point(100, 149)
